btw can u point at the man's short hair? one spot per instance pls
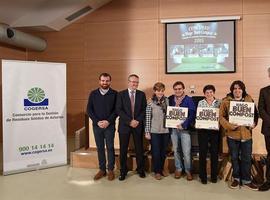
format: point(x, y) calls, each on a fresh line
point(133, 75)
point(105, 75)
point(179, 83)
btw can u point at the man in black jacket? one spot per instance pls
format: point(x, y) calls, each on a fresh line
point(130, 106)
point(101, 110)
point(264, 110)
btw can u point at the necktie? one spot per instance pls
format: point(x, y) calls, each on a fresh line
point(132, 101)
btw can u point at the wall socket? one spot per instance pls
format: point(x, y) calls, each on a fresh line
point(192, 89)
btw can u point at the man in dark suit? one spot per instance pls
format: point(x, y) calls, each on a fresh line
point(130, 106)
point(264, 110)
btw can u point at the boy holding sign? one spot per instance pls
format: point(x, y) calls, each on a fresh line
point(239, 137)
point(181, 133)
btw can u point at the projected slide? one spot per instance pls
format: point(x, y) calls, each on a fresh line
point(200, 47)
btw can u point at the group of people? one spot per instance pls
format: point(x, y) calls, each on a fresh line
point(147, 119)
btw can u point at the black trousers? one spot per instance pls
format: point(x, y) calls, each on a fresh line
point(267, 144)
point(204, 138)
point(138, 142)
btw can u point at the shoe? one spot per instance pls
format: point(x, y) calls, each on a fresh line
point(158, 176)
point(142, 174)
point(177, 174)
point(214, 180)
point(265, 186)
point(203, 181)
point(122, 176)
point(111, 175)
point(234, 184)
point(164, 173)
point(99, 175)
point(251, 186)
point(189, 176)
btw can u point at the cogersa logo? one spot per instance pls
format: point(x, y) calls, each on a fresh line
point(36, 100)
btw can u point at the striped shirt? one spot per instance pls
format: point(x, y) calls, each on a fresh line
point(148, 117)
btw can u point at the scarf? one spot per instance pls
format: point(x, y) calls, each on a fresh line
point(160, 102)
point(178, 100)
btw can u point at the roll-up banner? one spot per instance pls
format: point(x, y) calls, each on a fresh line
point(34, 115)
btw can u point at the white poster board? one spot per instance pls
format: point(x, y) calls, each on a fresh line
point(34, 115)
point(175, 116)
point(207, 118)
point(241, 113)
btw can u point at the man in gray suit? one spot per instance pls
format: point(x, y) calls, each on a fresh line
point(264, 110)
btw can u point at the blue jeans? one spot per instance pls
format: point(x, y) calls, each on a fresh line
point(241, 159)
point(181, 141)
point(159, 144)
point(102, 136)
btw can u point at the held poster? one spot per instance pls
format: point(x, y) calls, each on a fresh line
point(241, 113)
point(34, 115)
point(175, 116)
point(207, 118)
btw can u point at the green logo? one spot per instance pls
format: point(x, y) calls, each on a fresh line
point(36, 95)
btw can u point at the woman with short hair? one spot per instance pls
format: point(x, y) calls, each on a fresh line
point(208, 136)
point(155, 128)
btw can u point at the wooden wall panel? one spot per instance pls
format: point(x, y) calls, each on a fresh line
point(122, 40)
point(12, 53)
point(119, 70)
point(256, 7)
point(161, 41)
point(255, 75)
point(122, 10)
point(198, 8)
point(75, 115)
point(76, 80)
point(239, 38)
point(256, 32)
point(65, 45)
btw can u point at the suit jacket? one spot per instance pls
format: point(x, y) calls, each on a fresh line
point(123, 109)
point(264, 109)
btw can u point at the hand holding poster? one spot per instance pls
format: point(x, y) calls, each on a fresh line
point(175, 116)
point(207, 118)
point(241, 113)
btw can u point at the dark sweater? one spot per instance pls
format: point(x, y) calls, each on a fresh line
point(102, 107)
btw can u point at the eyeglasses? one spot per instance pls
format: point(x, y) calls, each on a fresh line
point(134, 81)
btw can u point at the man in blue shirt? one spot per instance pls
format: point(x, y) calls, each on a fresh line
point(180, 136)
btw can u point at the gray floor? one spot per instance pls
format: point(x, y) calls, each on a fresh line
point(77, 184)
point(72, 183)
